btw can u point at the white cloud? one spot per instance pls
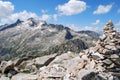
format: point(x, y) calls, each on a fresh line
point(21, 15)
point(96, 22)
point(76, 28)
point(24, 15)
point(73, 27)
point(7, 16)
point(103, 9)
point(45, 17)
point(55, 17)
point(6, 8)
point(118, 24)
point(72, 7)
point(96, 29)
point(44, 11)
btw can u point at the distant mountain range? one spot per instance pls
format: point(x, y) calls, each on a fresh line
point(90, 33)
point(37, 38)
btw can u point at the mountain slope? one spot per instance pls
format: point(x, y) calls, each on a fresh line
point(90, 33)
point(37, 38)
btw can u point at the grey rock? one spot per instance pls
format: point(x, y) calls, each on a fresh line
point(37, 38)
point(110, 47)
point(97, 56)
point(114, 56)
point(88, 75)
point(4, 78)
point(22, 76)
point(45, 60)
point(7, 66)
point(107, 61)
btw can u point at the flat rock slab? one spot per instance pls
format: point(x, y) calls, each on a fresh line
point(45, 60)
point(22, 76)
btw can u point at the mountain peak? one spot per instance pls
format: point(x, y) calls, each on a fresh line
point(35, 22)
point(31, 19)
point(18, 21)
point(6, 26)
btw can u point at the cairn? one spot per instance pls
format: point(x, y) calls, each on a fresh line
point(107, 50)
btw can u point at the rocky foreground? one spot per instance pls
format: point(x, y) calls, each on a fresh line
point(101, 62)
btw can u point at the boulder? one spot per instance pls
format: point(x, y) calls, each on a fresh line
point(114, 56)
point(32, 65)
point(22, 76)
point(88, 75)
point(18, 61)
point(52, 72)
point(97, 56)
point(4, 78)
point(2, 65)
point(7, 66)
point(44, 61)
point(61, 59)
point(90, 65)
point(107, 61)
point(110, 47)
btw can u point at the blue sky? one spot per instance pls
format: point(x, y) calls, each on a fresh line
point(77, 14)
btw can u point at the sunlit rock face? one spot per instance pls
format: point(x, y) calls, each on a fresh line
point(34, 37)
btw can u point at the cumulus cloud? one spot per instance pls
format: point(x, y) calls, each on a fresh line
point(72, 7)
point(7, 16)
point(44, 11)
point(96, 22)
point(73, 27)
point(76, 28)
point(103, 9)
point(6, 8)
point(55, 17)
point(96, 29)
point(117, 24)
point(21, 15)
point(45, 17)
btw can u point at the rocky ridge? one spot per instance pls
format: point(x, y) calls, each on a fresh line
point(101, 62)
point(34, 37)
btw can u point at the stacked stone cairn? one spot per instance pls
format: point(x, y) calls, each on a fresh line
point(106, 53)
point(109, 47)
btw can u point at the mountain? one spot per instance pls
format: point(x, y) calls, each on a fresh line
point(6, 26)
point(90, 33)
point(37, 38)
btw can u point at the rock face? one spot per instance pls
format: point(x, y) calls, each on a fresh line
point(101, 62)
point(38, 38)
